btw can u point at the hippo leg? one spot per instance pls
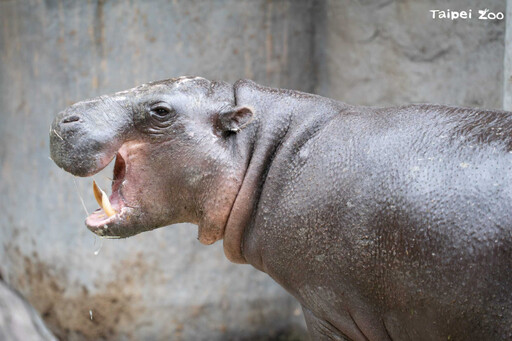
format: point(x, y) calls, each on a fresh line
point(320, 329)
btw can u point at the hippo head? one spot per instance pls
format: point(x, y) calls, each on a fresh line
point(174, 145)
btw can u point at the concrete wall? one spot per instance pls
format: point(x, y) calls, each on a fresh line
point(383, 52)
point(507, 77)
point(164, 284)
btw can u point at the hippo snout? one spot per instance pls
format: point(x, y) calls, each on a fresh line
point(72, 149)
point(65, 125)
point(85, 137)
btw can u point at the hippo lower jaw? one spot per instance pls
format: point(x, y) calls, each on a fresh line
point(110, 227)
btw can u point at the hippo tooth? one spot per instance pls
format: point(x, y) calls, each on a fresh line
point(97, 192)
point(102, 199)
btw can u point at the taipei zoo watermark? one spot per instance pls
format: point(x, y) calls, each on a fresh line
point(481, 14)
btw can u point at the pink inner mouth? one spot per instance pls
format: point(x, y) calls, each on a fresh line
point(99, 218)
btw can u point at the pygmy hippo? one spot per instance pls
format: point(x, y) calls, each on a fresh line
point(384, 223)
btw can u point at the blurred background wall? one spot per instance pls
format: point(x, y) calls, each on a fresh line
point(380, 52)
point(164, 285)
point(507, 78)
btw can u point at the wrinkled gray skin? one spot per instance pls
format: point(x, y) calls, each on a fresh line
point(385, 223)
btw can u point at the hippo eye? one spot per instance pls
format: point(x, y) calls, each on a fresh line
point(161, 111)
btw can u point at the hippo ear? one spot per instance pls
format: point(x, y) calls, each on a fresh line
point(235, 119)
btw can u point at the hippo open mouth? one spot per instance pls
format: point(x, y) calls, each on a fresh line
point(113, 211)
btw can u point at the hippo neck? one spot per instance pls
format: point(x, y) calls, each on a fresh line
point(277, 113)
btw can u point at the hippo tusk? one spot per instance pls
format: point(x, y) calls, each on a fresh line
point(102, 199)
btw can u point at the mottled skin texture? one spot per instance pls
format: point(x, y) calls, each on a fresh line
point(385, 223)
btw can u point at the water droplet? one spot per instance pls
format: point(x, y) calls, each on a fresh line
point(97, 247)
point(90, 314)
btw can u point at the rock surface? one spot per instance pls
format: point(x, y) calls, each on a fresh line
point(18, 319)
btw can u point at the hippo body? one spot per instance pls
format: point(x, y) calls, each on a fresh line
point(384, 223)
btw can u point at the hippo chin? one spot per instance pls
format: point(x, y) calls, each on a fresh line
point(385, 223)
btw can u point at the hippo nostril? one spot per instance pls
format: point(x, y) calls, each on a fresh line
point(70, 119)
